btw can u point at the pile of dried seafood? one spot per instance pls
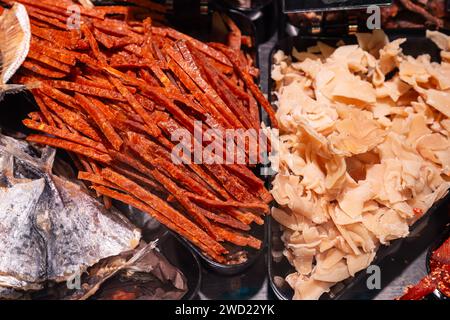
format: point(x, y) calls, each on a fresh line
point(50, 228)
point(112, 93)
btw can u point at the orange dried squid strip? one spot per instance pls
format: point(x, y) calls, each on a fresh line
point(48, 61)
point(162, 207)
point(230, 100)
point(91, 107)
point(237, 238)
point(58, 54)
point(185, 232)
point(42, 70)
point(141, 179)
point(49, 14)
point(60, 133)
point(213, 53)
point(222, 219)
point(149, 122)
point(227, 204)
point(46, 19)
point(251, 85)
point(96, 179)
point(93, 44)
point(180, 197)
point(45, 112)
point(73, 119)
point(151, 152)
point(98, 92)
point(189, 66)
point(58, 96)
point(70, 146)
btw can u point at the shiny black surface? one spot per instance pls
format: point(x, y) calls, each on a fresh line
point(181, 257)
point(330, 5)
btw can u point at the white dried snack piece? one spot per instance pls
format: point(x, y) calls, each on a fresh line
point(440, 39)
point(361, 156)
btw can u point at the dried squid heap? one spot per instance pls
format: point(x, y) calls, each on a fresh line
point(364, 152)
point(114, 91)
point(51, 229)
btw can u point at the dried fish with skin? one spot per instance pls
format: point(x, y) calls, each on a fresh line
point(60, 229)
point(15, 37)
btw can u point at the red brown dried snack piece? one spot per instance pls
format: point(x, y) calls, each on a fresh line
point(64, 134)
point(49, 14)
point(235, 35)
point(45, 112)
point(162, 207)
point(37, 116)
point(150, 93)
point(250, 84)
point(46, 19)
point(70, 146)
point(73, 119)
point(58, 96)
point(136, 106)
point(187, 233)
point(97, 83)
point(149, 152)
point(44, 6)
point(91, 107)
point(48, 61)
point(227, 96)
point(92, 91)
point(223, 219)
point(227, 204)
point(61, 39)
point(140, 179)
point(237, 238)
point(96, 179)
point(58, 54)
point(42, 70)
point(213, 53)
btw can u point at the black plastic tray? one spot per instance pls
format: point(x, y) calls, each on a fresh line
point(320, 5)
point(170, 245)
point(392, 259)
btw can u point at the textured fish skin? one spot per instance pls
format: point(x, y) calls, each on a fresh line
point(50, 228)
point(22, 256)
point(83, 232)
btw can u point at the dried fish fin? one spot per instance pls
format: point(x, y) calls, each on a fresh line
point(15, 44)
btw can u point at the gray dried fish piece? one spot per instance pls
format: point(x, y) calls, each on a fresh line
point(22, 255)
point(50, 228)
point(80, 232)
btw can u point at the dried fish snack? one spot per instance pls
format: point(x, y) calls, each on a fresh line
point(51, 227)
